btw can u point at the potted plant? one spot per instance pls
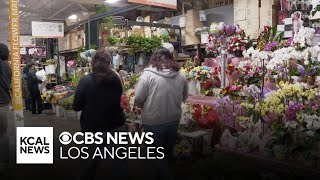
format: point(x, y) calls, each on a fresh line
point(51, 66)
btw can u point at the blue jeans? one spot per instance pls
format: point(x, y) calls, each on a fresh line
point(165, 136)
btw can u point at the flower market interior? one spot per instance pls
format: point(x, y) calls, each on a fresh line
point(251, 67)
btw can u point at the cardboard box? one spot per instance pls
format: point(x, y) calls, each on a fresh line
point(240, 4)
point(253, 23)
point(242, 24)
point(240, 15)
point(253, 33)
point(252, 12)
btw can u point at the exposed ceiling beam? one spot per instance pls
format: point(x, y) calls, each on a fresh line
point(82, 7)
point(61, 10)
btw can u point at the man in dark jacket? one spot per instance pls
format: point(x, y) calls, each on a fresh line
point(25, 90)
point(5, 100)
point(33, 87)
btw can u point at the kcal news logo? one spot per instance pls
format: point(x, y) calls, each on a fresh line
point(34, 145)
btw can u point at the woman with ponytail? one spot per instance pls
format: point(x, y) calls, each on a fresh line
point(98, 96)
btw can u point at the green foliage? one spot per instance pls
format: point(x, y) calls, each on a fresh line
point(113, 40)
point(93, 46)
point(165, 38)
point(67, 103)
point(316, 10)
point(102, 9)
point(144, 44)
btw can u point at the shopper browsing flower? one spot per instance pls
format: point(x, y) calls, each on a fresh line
point(98, 96)
point(160, 92)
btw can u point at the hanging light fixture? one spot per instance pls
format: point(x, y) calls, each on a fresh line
point(111, 1)
point(73, 17)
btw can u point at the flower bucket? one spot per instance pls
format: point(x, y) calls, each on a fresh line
point(193, 88)
point(311, 80)
point(54, 108)
point(70, 115)
point(59, 111)
point(50, 69)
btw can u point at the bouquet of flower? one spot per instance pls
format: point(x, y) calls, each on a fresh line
point(269, 38)
point(249, 73)
point(213, 47)
point(51, 62)
point(127, 103)
point(303, 38)
point(205, 116)
point(202, 74)
point(71, 64)
point(131, 80)
point(238, 44)
point(67, 103)
point(186, 69)
point(232, 90)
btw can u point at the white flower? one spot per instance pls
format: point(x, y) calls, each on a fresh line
point(306, 62)
point(310, 133)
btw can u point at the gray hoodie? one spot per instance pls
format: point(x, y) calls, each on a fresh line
point(160, 94)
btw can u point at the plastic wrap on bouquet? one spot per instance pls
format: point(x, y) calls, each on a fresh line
point(212, 62)
point(193, 90)
point(232, 78)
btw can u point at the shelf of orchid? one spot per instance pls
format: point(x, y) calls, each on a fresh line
point(270, 103)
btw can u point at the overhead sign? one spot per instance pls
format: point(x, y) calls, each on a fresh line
point(172, 4)
point(27, 41)
point(15, 61)
point(47, 29)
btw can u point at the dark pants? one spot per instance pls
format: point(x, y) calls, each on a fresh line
point(165, 136)
point(36, 102)
point(119, 166)
point(28, 104)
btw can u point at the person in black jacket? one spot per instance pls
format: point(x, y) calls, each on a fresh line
point(98, 96)
point(5, 100)
point(25, 90)
point(33, 87)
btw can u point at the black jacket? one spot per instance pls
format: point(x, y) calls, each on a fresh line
point(100, 104)
point(5, 83)
point(33, 82)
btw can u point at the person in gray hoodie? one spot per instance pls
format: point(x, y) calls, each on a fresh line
point(5, 100)
point(160, 92)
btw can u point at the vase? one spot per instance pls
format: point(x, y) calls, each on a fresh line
point(59, 111)
point(193, 87)
point(69, 114)
point(50, 69)
point(311, 80)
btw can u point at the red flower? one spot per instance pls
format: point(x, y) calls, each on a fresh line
point(197, 112)
point(208, 84)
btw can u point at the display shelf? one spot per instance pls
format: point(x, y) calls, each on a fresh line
point(69, 51)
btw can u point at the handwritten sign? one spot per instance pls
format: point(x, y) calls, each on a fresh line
point(47, 29)
point(171, 4)
point(27, 41)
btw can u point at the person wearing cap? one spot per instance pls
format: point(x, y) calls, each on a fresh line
point(160, 92)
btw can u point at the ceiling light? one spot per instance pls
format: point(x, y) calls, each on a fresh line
point(111, 1)
point(73, 17)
